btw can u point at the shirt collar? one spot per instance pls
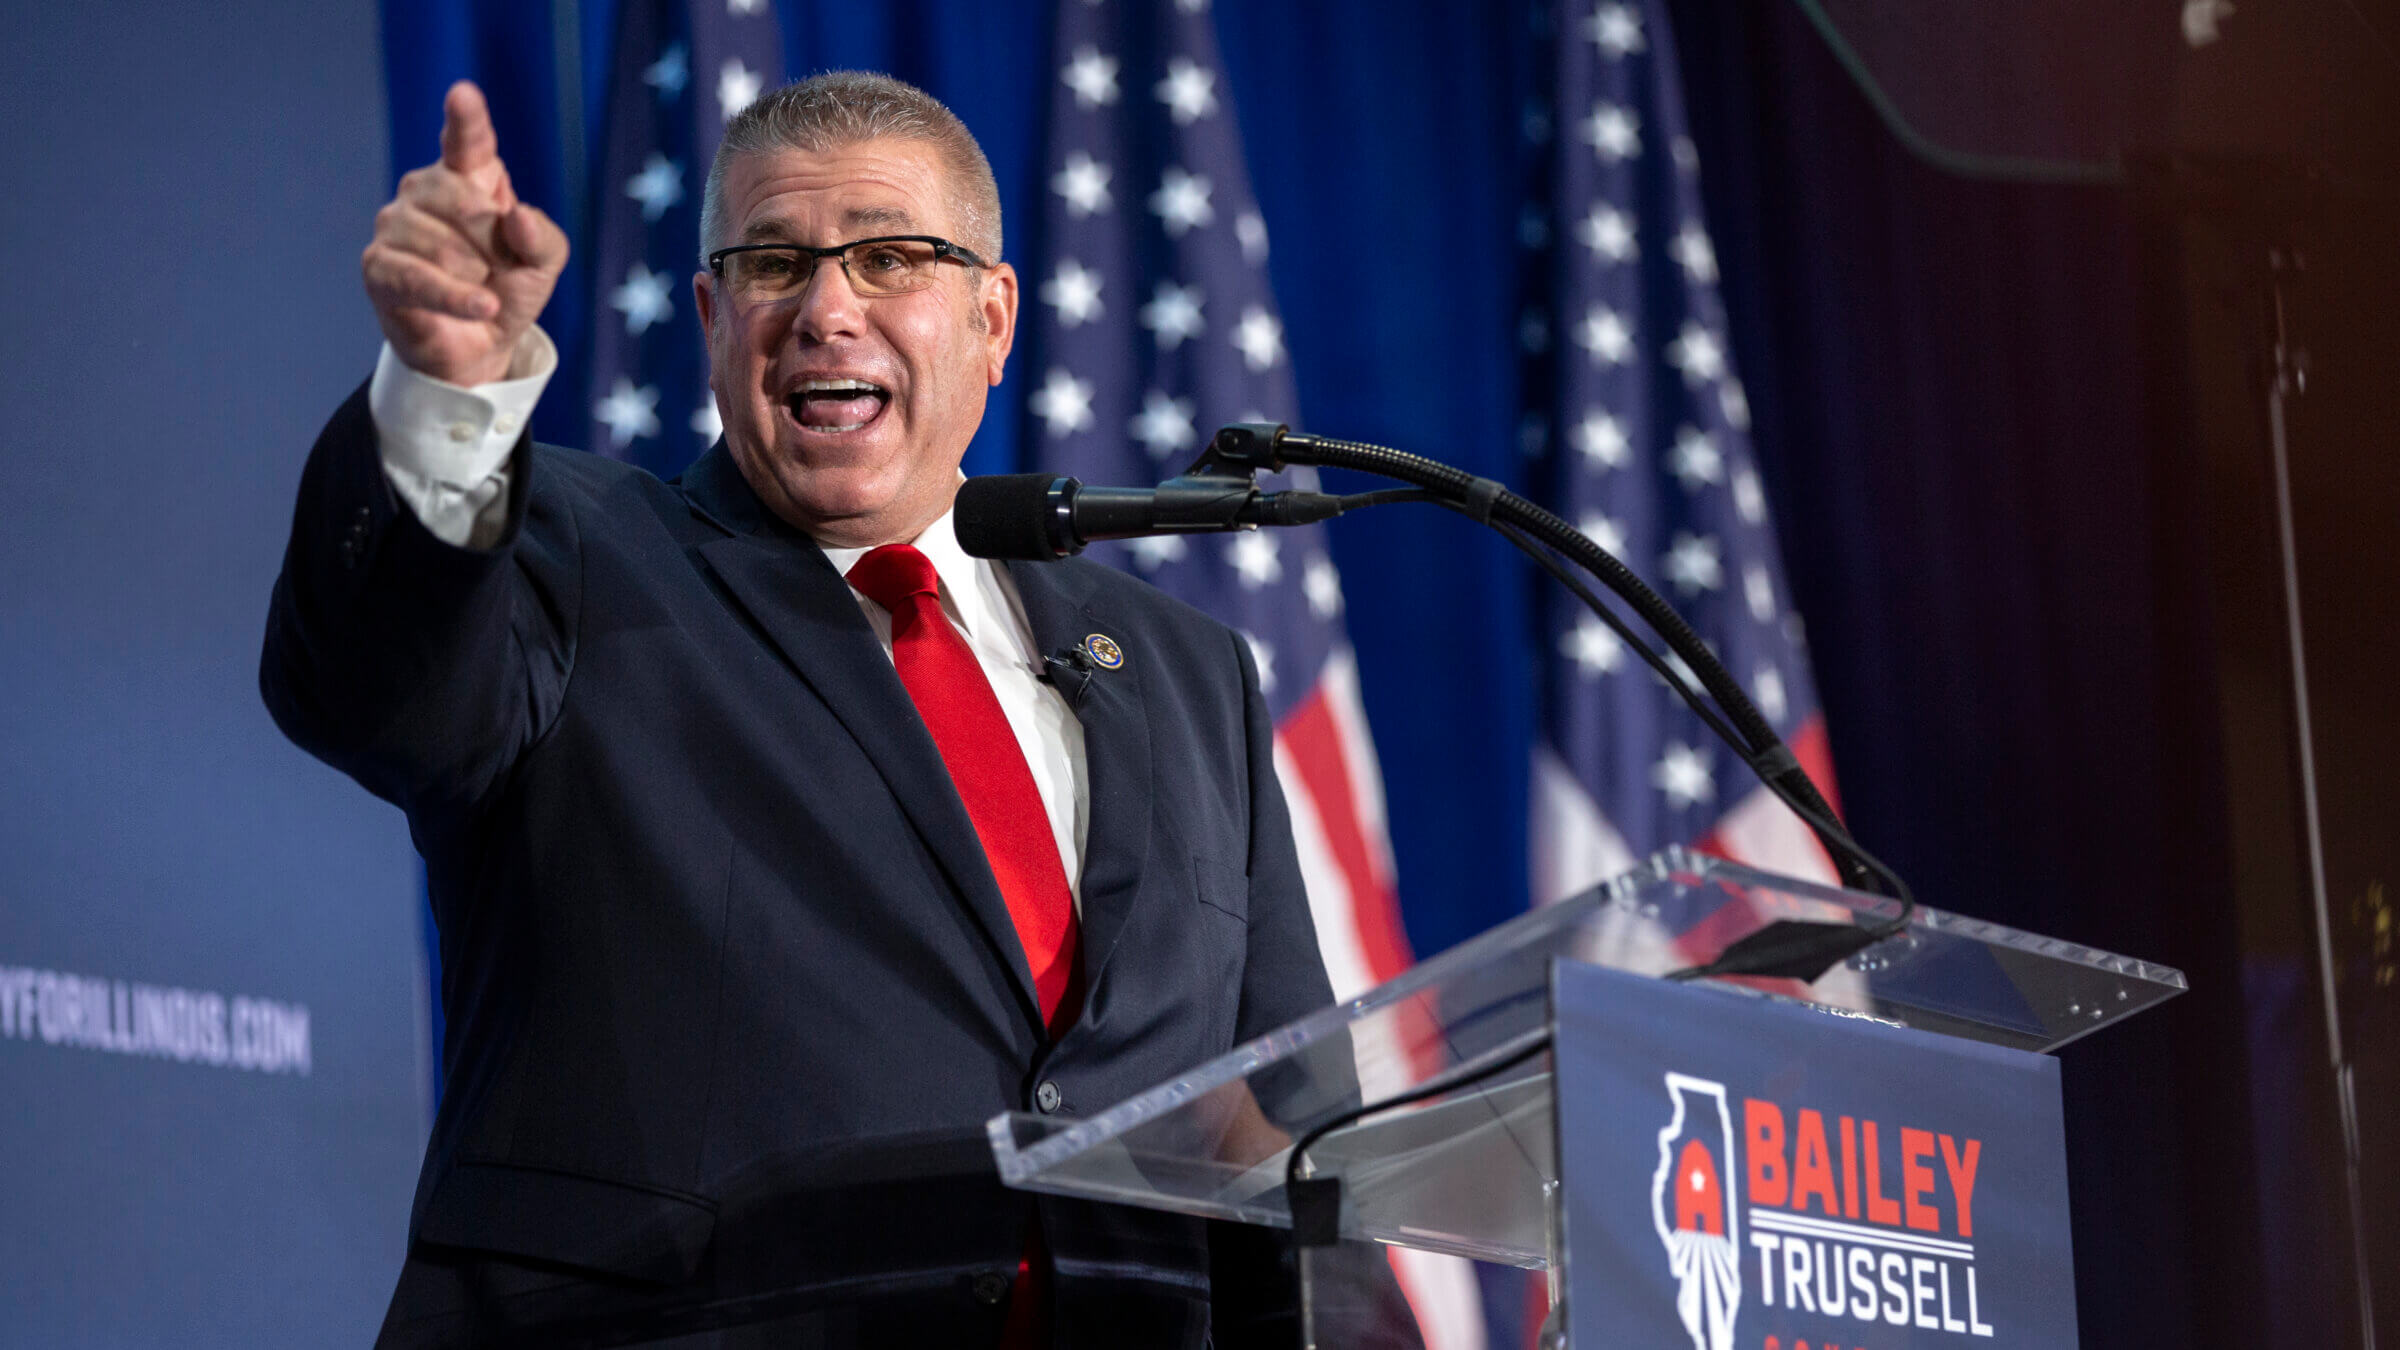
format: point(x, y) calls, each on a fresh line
point(962, 576)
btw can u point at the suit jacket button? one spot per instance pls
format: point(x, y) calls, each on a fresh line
point(1047, 1096)
point(991, 1287)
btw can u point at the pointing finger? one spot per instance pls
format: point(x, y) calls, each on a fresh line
point(468, 141)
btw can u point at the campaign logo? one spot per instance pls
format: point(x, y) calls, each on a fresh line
point(1692, 1204)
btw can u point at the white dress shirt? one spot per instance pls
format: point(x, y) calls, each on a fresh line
point(446, 451)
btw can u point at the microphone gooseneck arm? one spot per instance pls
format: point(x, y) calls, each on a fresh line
point(1800, 950)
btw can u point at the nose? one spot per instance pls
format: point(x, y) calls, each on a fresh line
point(828, 309)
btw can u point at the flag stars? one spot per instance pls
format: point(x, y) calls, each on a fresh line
point(1593, 647)
point(1152, 552)
point(1759, 589)
point(1613, 132)
point(1692, 564)
point(1695, 459)
point(669, 73)
point(1181, 202)
point(1697, 353)
point(1605, 335)
point(628, 411)
point(1534, 124)
point(1064, 403)
point(1074, 292)
point(1600, 439)
point(706, 423)
point(1682, 775)
point(658, 186)
point(1253, 556)
point(1533, 228)
point(1083, 182)
point(1608, 233)
point(1615, 29)
point(737, 87)
point(1264, 657)
point(1687, 155)
point(1164, 424)
point(1692, 251)
point(1189, 91)
point(1322, 585)
point(1092, 76)
point(1533, 435)
point(1533, 331)
point(1734, 403)
point(745, 8)
point(1766, 690)
point(1748, 497)
point(1601, 530)
point(1173, 314)
point(1250, 231)
point(643, 300)
point(1259, 337)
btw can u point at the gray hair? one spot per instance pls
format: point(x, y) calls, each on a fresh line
point(843, 108)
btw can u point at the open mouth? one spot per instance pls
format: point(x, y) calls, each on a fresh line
point(836, 406)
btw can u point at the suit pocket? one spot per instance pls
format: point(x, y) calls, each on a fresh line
point(633, 1232)
point(1221, 923)
point(1222, 887)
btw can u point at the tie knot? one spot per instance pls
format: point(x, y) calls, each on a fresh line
point(891, 574)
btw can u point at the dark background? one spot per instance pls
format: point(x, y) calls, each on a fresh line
point(2015, 447)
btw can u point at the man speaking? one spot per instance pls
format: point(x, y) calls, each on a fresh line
point(758, 841)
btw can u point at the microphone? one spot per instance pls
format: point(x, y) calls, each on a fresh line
point(1043, 517)
point(1069, 670)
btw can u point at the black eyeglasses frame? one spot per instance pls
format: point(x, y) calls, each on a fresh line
point(942, 248)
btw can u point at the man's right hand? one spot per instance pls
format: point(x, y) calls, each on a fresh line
point(459, 268)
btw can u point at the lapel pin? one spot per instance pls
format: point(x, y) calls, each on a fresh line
point(1104, 651)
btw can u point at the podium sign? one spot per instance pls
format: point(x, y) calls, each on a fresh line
point(1759, 1173)
point(1462, 1156)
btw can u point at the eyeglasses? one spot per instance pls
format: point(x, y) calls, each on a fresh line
point(892, 264)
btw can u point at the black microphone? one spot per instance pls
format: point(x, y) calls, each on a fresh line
point(1043, 517)
point(1069, 670)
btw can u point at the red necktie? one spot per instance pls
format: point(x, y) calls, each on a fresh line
point(986, 765)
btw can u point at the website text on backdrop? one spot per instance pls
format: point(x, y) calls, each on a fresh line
point(730, 985)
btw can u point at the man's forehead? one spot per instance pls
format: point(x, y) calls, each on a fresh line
point(883, 186)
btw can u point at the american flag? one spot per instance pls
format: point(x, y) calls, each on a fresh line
point(1648, 452)
point(681, 72)
point(1152, 324)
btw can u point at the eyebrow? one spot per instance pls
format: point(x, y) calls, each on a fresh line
point(879, 217)
point(869, 219)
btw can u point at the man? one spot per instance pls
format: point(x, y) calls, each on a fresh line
point(766, 863)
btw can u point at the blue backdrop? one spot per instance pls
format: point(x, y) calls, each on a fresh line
point(178, 308)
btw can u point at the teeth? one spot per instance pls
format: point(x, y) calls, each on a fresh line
point(838, 386)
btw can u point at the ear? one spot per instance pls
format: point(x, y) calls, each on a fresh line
point(704, 300)
point(996, 298)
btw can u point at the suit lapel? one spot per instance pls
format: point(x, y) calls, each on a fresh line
point(788, 586)
point(1116, 752)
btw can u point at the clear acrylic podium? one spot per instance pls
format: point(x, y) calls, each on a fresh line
point(1473, 1171)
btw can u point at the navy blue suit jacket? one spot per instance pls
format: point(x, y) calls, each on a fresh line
point(711, 910)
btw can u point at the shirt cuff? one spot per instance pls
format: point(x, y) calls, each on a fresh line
point(445, 447)
point(449, 433)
